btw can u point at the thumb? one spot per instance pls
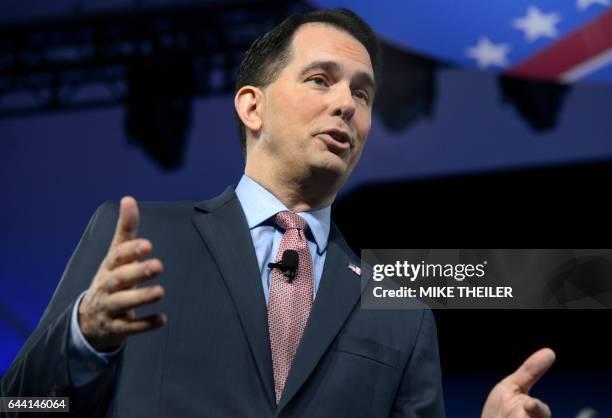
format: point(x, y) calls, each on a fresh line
point(532, 369)
point(127, 224)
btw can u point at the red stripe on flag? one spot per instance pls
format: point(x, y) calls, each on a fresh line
point(565, 54)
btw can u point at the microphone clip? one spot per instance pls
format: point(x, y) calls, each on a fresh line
point(288, 264)
point(287, 271)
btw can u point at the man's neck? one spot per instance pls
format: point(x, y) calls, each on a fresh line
point(296, 195)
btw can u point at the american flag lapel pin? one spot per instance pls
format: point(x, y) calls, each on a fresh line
point(355, 269)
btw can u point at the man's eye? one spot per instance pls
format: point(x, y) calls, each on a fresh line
point(361, 95)
point(319, 80)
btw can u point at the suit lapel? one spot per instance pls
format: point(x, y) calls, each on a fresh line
point(336, 298)
point(224, 229)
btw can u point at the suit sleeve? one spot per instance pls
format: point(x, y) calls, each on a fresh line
point(420, 391)
point(84, 362)
point(41, 368)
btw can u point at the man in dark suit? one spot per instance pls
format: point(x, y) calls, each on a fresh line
point(239, 336)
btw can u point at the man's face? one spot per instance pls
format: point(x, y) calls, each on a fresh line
point(318, 111)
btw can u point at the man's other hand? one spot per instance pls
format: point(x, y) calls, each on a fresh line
point(510, 397)
point(106, 313)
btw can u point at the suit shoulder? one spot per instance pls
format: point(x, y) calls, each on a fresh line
point(336, 235)
point(165, 213)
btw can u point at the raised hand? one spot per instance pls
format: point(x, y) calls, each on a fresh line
point(106, 313)
point(510, 397)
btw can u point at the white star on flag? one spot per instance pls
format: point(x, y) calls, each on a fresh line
point(585, 4)
point(537, 24)
point(487, 53)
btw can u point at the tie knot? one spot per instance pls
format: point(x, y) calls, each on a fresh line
point(289, 220)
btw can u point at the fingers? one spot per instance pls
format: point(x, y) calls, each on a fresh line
point(127, 252)
point(106, 313)
point(125, 327)
point(536, 408)
point(127, 224)
point(532, 369)
point(509, 397)
point(129, 275)
point(120, 302)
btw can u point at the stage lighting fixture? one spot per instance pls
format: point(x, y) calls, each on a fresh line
point(537, 101)
point(159, 106)
point(408, 88)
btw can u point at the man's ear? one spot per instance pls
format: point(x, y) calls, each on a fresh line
point(250, 104)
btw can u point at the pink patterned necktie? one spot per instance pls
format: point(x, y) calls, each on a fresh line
point(289, 303)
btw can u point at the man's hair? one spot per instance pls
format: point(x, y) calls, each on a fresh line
point(270, 53)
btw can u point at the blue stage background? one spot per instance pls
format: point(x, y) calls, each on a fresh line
point(56, 169)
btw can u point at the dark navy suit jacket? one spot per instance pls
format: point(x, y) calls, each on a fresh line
point(212, 358)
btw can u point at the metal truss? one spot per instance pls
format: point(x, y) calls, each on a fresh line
point(86, 62)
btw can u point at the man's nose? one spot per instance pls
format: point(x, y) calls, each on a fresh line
point(344, 103)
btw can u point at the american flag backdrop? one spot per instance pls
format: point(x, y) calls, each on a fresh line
point(563, 40)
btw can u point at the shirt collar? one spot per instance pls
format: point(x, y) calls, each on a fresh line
point(259, 205)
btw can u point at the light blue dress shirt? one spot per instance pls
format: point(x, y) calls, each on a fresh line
point(259, 206)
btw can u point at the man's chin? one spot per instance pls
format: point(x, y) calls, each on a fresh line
point(332, 171)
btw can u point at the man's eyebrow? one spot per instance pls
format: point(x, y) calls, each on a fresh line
point(366, 80)
point(329, 66)
point(333, 67)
